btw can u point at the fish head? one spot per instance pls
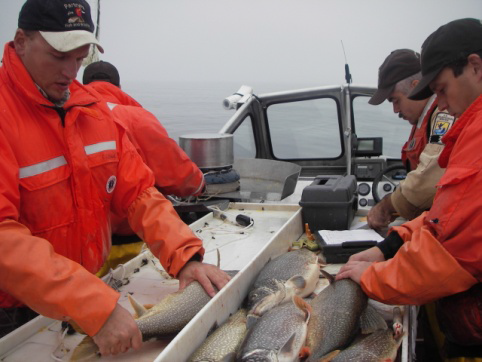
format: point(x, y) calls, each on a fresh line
point(259, 355)
point(256, 295)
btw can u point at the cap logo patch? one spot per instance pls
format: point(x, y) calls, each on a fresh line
point(75, 16)
point(111, 182)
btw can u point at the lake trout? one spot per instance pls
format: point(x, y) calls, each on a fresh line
point(378, 346)
point(279, 335)
point(164, 319)
point(223, 344)
point(293, 273)
point(336, 317)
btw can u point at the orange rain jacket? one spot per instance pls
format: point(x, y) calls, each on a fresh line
point(113, 94)
point(173, 170)
point(442, 250)
point(63, 171)
point(417, 141)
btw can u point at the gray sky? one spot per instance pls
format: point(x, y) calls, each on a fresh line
point(259, 40)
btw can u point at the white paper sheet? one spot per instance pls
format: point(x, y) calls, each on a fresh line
point(334, 237)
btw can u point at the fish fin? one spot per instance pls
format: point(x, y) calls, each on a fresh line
point(288, 346)
point(296, 282)
point(305, 351)
point(371, 321)
point(85, 350)
point(328, 276)
point(328, 357)
point(251, 320)
point(139, 309)
point(304, 306)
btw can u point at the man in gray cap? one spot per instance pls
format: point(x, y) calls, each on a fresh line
point(398, 76)
point(438, 256)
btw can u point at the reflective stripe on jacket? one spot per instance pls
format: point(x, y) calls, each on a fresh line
point(63, 171)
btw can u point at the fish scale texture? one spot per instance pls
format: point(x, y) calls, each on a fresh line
point(173, 312)
point(224, 342)
point(377, 346)
point(272, 331)
point(335, 317)
point(281, 269)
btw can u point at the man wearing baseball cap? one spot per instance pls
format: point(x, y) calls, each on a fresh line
point(397, 77)
point(438, 256)
point(66, 165)
point(175, 173)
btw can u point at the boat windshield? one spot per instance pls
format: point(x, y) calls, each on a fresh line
point(380, 121)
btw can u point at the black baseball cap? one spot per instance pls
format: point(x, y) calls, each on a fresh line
point(101, 71)
point(399, 65)
point(65, 25)
point(449, 43)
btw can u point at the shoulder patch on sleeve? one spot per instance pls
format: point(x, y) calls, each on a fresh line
point(441, 123)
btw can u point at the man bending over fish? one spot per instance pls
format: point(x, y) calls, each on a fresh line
point(438, 256)
point(66, 165)
point(397, 77)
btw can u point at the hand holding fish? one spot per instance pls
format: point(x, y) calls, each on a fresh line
point(118, 334)
point(353, 270)
point(372, 254)
point(206, 274)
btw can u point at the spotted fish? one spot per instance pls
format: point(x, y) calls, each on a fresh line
point(294, 273)
point(223, 344)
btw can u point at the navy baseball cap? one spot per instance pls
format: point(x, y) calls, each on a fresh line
point(65, 25)
point(449, 43)
point(101, 71)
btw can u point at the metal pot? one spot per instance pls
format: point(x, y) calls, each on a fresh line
point(209, 150)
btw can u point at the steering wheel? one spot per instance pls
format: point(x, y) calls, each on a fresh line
point(388, 179)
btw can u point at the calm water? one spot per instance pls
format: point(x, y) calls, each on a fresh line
point(192, 107)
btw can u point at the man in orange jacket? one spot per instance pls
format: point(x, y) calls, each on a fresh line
point(397, 77)
point(66, 165)
point(438, 256)
point(174, 172)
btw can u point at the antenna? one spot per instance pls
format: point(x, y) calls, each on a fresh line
point(348, 77)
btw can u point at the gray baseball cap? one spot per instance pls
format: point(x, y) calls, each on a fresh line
point(399, 65)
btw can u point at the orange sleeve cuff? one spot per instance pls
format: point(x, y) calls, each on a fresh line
point(421, 271)
point(154, 219)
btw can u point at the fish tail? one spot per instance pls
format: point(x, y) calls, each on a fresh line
point(86, 350)
point(371, 321)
